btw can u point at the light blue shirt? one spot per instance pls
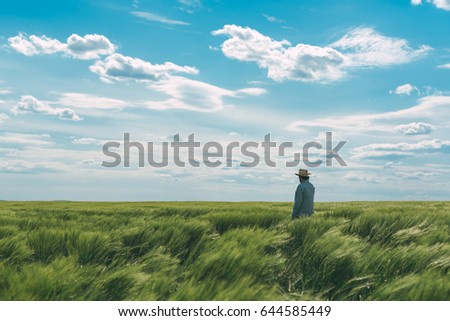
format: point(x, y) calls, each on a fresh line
point(304, 200)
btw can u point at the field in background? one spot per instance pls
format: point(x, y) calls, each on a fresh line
point(224, 251)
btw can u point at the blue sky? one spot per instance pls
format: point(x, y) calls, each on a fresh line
point(76, 74)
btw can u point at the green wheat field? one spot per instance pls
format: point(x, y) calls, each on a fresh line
point(224, 251)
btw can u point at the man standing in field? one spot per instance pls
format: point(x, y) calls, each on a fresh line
point(304, 196)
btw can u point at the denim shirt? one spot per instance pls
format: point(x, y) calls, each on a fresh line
point(304, 200)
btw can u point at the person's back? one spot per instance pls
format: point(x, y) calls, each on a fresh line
point(304, 196)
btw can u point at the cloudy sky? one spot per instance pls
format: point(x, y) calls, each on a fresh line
point(76, 74)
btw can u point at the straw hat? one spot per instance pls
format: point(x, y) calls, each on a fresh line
point(303, 173)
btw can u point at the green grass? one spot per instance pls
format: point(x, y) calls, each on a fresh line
point(224, 251)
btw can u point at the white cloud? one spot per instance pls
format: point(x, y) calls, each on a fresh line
point(417, 175)
point(434, 108)
point(440, 4)
point(362, 178)
point(381, 155)
point(272, 18)
point(405, 89)
point(190, 5)
point(415, 129)
point(157, 18)
point(391, 164)
point(8, 165)
point(3, 117)
point(364, 47)
point(188, 94)
point(25, 139)
point(86, 101)
point(31, 104)
point(391, 151)
point(86, 141)
point(431, 91)
point(119, 67)
point(444, 66)
point(47, 155)
point(181, 92)
point(5, 91)
point(282, 60)
point(88, 162)
point(15, 166)
point(361, 47)
point(422, 146)
point(252, 91)
point(35, 45)
point(90, 46)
